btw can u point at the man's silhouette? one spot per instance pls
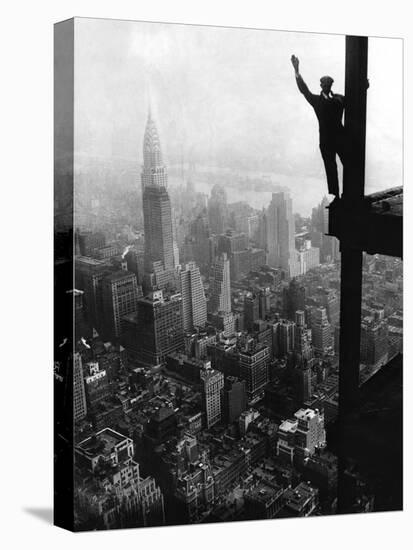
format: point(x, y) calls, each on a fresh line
point(329, 109)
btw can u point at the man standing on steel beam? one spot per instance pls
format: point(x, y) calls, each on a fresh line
point(328, 108)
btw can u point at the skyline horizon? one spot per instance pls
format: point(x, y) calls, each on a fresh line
point(227, 98)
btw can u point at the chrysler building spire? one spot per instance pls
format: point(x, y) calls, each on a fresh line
point(154, 171)
point(157, 209)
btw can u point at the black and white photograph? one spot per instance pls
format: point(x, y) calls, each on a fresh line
point(206, 274)
point(234, 223)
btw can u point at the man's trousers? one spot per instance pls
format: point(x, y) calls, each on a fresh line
point(329, 151)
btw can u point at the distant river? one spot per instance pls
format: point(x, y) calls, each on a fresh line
point(256, 188)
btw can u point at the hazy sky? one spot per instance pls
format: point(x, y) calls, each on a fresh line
point(227, 97)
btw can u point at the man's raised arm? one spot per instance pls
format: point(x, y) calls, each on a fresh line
point(302, 86)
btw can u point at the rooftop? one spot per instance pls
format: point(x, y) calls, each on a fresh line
point(89, 261)
point(298, 497)
point(288, 425)
point(118, 275)
point(264, 494)
point(102, 443)
point(305, 414)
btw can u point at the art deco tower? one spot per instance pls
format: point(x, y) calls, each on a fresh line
point(280, 234)
point(157, 210)
point(220, 285)
point(194, 306)
point(212, 384)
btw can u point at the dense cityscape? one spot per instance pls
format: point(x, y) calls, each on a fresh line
point(206, 361)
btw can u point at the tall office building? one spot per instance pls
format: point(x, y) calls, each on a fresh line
point(302, 337)
point(253, 368)
point(308, 257)
point(310, 432)
point(374, 342)
point(135, 263)
point(264, 299)
point(242, 257)
point(299, 318)
point(262, 230)
point(194, 309)
point(253, 224)
point(224, 321)
point(155, 330)
point(251, 311)
point(330, 299)
point(300, 437)
point(220, 285)
point(321, 330)
point(234, 399)
point(212, 384)
point(329, 246)
point(217, 210)
point(120, 293)
point(79, 394)
point(238, 214)
point(231, 242)
point(283, 337)
point(281, 235)
point(198, 243)
point(157, 210)
point(89, 274)
point(304, 375)
point(235, 245)
point(293, 299)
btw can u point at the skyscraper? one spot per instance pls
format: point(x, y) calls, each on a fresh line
point(79, 394)
point(217, 210)
point(293, 299)
point(220, 285)
point(198, 242)
point(301, 436)
point(213, 382)
point(223, 321)
point(234, 398)
point(89, 274)
point(331, 301)
point(281, 234)
point(329, 246)
point(262, 230)
point(283, 337)
point(251, 311)
point(157, 210)
point(253, 368)
point(304, 373)
point(302, 337)
point(242, 257)
point(310, 432)
point(194, 310)
point(120, 294)
point(155, 330)
point(374, 341)
point(321, 330)
point(264, 299)
point(308, 257)
point(231, 242)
